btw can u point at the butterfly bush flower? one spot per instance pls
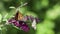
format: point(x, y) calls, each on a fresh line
point(22, 24)
point(19, 24)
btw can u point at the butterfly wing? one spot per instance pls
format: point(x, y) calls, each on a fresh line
point(18, 16)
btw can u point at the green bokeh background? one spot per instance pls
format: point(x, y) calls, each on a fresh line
point(48, 11)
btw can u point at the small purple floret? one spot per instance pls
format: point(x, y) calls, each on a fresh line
point(16, 23)
point(24, 26)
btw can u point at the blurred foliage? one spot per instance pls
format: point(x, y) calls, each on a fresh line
point(48, 12)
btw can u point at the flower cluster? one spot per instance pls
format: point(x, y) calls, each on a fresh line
point(22, 23)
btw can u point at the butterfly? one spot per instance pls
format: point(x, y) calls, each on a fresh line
point(18, 16)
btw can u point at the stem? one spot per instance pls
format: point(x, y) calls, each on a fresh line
point(21, 6)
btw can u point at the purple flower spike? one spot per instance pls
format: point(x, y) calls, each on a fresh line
point(21, 23)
